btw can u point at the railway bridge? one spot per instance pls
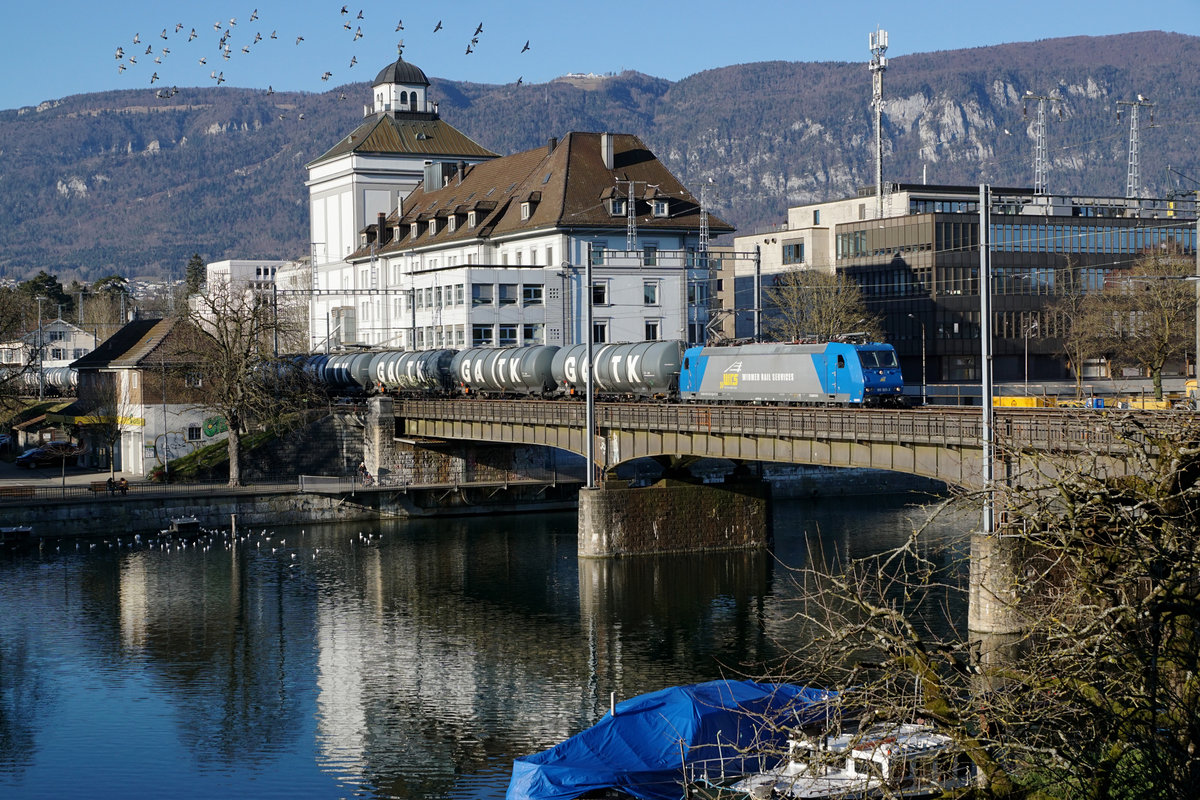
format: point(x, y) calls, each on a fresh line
point(944, 443)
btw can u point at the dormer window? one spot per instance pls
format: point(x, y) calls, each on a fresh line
point(526, 210)
point(616, 206)
point(451, 223)
point(471, 219)
point(662, 208)
point(414, 229)
point(433, 226)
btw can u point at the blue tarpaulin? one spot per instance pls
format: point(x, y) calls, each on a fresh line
point(639, 750)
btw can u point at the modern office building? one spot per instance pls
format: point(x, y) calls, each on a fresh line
point(918, 266)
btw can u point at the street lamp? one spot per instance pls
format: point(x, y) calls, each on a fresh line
point(41, 353)
point(1030, 327)
point(922, 322)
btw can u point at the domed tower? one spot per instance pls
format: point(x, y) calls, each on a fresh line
point(401, 88)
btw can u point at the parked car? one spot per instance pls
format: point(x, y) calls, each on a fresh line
point(45, 456)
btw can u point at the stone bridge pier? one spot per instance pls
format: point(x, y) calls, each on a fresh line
point(673, 516)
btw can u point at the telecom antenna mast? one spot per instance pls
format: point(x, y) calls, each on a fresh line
point(703, 248)
point(878, 42)
point(1040, 184)
point(1132, 187)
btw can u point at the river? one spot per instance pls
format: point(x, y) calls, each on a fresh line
point(392, 660)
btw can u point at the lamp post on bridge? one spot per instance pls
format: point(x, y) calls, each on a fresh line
point(924, 395)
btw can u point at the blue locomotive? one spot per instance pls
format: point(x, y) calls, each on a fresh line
point(832, 373)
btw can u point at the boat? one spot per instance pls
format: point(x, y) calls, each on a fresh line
point(644, 747)
point(901, 760)
point(16, 534)
point(184, 525)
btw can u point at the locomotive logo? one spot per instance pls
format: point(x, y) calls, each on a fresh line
point(729, 378)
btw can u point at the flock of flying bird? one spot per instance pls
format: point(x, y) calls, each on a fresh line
point(226, 48)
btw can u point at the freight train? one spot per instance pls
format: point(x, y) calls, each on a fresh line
point(831, 373)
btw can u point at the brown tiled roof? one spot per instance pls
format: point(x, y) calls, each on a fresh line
point(133, 345)
point(406, 134)
point(567, 187)
point(116, 346)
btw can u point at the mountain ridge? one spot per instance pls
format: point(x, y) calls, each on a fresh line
point(124, 182)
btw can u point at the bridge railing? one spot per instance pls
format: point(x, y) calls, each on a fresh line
point(1048, 430)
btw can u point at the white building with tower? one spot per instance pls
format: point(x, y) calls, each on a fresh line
point(369, 172)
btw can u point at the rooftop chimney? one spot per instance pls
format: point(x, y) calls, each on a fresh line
point(606, 150)
point(462, 167)
point(380, 228)
point(551, 144)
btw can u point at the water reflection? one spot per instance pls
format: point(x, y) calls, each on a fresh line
point(397, 660)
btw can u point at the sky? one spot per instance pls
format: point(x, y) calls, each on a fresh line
point(71, 46)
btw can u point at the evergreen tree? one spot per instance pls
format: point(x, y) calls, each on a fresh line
point(195, 274)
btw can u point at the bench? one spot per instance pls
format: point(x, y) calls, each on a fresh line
point(99, 486)
point(16, 491)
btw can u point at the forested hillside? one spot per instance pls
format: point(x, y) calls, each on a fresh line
point(126, 182)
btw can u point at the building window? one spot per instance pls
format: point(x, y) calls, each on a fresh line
point(616, 206)
point(451, 223)
point(650, 293)
point(662, 208)
point(520, 257)
point(192, 380)
point(649, 256)
point(600, 332)
point(193, 433)
point(531, 294)
point(458, 294)
point(508, 294)
point(651, 330)
point(432, 227)
point(526, 210)
point(599, 293)
point(471, 217)
point(420, 298)
point(481, 336)
point(597, 255)
point(481, 294)
point(793, 253)
point(534, 333)
point(57, 336)
point(508, 335)
point(437, 297)
point(57, 354)
point(816, 216)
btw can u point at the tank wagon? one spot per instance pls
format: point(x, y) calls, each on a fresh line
point(833, 373)
point(412, 371)
point(522, 371)
point(641, 370)
point(58, 380)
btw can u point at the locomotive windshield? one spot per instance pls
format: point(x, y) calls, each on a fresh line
point(878, 358)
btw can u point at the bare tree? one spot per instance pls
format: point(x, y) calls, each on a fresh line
point(12, 328)
point(99, 399)
point(1149, 313)
point(228, 348)
point(1096, 696)
point(815, 304)
point(1083, 324)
